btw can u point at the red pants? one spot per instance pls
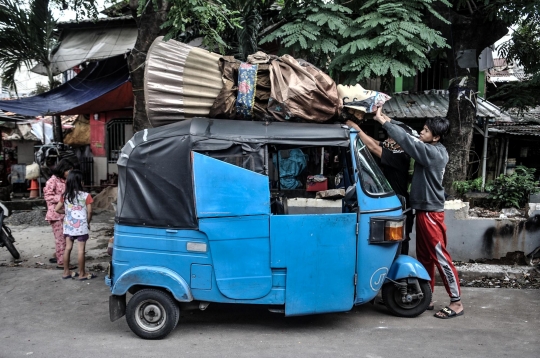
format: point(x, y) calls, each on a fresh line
point(431, 251)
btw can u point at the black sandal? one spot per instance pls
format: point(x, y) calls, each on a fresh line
point(448, 313)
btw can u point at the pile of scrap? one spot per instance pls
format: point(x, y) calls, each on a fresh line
point(106, 199)
point(183, 82)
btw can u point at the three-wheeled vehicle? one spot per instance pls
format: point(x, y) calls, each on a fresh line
point(196, 223)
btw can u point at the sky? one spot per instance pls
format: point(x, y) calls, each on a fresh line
point(68, 15)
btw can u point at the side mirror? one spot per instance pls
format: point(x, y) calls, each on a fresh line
point(403, 201)
point(350, 194)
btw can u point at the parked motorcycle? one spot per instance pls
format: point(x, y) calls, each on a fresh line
point(6, 238)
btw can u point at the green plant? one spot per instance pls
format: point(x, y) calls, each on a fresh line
point(463, 186)
point(513, 190)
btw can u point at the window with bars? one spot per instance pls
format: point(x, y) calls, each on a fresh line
point(119, 131)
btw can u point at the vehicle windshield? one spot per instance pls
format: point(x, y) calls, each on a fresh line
point(372, 179)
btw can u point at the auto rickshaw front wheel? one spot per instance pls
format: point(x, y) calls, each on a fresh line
point(152, 314)
point(408, 297)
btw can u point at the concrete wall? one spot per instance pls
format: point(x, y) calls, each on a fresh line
point(477, 238)
point(25, 151)
point(100, 169)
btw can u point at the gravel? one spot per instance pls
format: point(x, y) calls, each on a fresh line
point(499, 276)
point(525, 281)
point(29, 217)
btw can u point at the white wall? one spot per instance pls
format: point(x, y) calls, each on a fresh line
point(25, 151)
point(100, 169)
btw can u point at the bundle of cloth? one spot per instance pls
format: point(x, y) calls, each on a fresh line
point(183, 81)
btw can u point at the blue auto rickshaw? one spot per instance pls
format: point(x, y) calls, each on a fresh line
point(204, 215)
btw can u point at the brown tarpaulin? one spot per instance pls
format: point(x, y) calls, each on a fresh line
point(299, 89)
point(225, 104)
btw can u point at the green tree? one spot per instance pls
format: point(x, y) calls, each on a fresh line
point(524, 49)
point(474, 25)
point(357, 39)
point(40, 88)
point(26, 38)
point(171, 18)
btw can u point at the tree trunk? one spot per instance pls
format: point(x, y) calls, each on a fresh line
point(149, 24)
point(470, 31)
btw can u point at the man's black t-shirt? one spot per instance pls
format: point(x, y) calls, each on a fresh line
point(395, 167)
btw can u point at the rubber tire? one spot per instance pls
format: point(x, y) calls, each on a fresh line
point(390, 293)
point(158, 298)
point(8, 240)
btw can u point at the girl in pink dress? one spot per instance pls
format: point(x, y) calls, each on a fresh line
point(54, 188)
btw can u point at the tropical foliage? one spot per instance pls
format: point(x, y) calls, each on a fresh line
point(513, 190)
point(357, 40)
point(26, 38)
point(524, 49)
point(226, 26)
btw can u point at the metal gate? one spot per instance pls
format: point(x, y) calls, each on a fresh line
point(87, 168)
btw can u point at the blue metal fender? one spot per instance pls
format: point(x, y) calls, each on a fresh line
point(154, 276)
point(405, 266)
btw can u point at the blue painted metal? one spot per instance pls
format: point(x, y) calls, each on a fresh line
point(139, 246)
point(405, 266)
point(308, 263)
point(136, 247)
point(241, 255)
point(318, 253)
point(201, 277)
point(223, 189)
point(373, 260)
point(153, 276)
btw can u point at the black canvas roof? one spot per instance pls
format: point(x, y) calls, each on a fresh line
point(155, 185)
point(257, 132)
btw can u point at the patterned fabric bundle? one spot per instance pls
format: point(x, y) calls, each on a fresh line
point(247, 78)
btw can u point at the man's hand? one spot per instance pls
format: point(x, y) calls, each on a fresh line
point(352, 125)
point(379, 116)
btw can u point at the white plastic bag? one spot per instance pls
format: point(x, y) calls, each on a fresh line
point(32, 171)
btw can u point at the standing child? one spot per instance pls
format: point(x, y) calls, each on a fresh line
point(52, 193)
point(77, 206)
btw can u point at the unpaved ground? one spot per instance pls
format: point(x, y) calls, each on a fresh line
point(35, 242)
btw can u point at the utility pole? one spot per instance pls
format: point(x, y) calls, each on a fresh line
point(57, 129)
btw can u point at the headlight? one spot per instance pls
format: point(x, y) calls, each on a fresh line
point(386, 229)
point(393, 230)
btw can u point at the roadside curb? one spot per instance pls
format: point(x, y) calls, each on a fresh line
point(471, 272)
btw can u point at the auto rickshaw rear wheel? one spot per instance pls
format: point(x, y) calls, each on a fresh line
point(152, 314)
point(407, 302)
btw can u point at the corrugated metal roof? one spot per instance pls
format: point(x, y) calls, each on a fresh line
point(93, 21)
point(516, 129)
point(406, 105)
point(532, 115)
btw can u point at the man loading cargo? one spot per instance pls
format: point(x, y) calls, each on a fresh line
point(427, 198)
point(395, 167)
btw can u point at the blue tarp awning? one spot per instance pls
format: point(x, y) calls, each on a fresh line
point(96, 80)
